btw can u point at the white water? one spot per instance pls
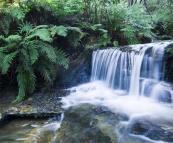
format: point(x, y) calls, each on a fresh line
point(129, 83)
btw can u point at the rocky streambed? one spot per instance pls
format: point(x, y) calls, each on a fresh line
point(83, 123)
point(38, 105)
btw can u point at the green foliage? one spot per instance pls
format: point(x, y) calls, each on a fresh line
point(7, 59)
point(5, 25)
point(162, 14)
point(28, 30)
point(61, 30)
point(30, 47)
point(104, 40)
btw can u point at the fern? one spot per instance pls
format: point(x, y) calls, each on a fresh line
point(76, 29)
point(61, 30)
point(43, 34)
point(7, 61)
point(46, 70)
point(8, 47)
point(104, 40)
point(13, 38)
point(22, 83)
point(61, 58)
point(138, 23)
point(15, 12)
point(5, 24)
point(47, 50)
point(129, 34)
point(25, 27)
point(33, 54)
point(2, 55)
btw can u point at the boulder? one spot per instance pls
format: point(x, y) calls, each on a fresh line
point(87, 123)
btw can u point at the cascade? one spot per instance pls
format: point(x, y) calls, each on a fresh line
point(129, 80)
point(131, 68)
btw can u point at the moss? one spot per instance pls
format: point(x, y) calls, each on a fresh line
point(26, 109)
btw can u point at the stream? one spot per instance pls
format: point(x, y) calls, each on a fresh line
point(126, 101)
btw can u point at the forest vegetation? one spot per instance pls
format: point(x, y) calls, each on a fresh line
point(37, 36)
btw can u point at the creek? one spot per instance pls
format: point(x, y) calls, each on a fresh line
point(126, 101)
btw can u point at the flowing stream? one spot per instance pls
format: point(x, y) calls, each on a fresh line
point(130, 81)
point(125, 80)
point(30, 130)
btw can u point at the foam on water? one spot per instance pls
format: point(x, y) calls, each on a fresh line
point(98, 94)
point(119, 81)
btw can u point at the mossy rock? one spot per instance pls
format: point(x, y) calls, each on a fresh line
point(88, 124)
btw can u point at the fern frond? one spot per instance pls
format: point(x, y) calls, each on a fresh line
point(26, 82)
point(22, 83)
point(2, 55)
point(25, 27)
point(77, 29)
point(43, 68)
point(43, 34)
point(33, 54)
point(21, 94)
point(129, 34)
point(31, 78)
point(104, 40)
point(46, 68)
point(48, 50)
point(8, 47)
point(24, 59)
point(95, 26)
point(13, 38)
point(2, 38)
point(5, 24)
point(7, 61)
point(15, 12)
point(61, 58)
point(39, 27)
point(61, 30)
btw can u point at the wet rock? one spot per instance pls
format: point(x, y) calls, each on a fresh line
point(88, 124)
point(152, 130)
point(79, 72)
point(38, 105)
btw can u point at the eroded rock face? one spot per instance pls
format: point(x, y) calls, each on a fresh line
point(89, 124)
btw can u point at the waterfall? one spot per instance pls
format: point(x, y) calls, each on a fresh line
point(129, 80)
point(126, 68)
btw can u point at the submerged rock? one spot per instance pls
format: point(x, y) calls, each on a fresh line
point(87, 123)
point(152, 130)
